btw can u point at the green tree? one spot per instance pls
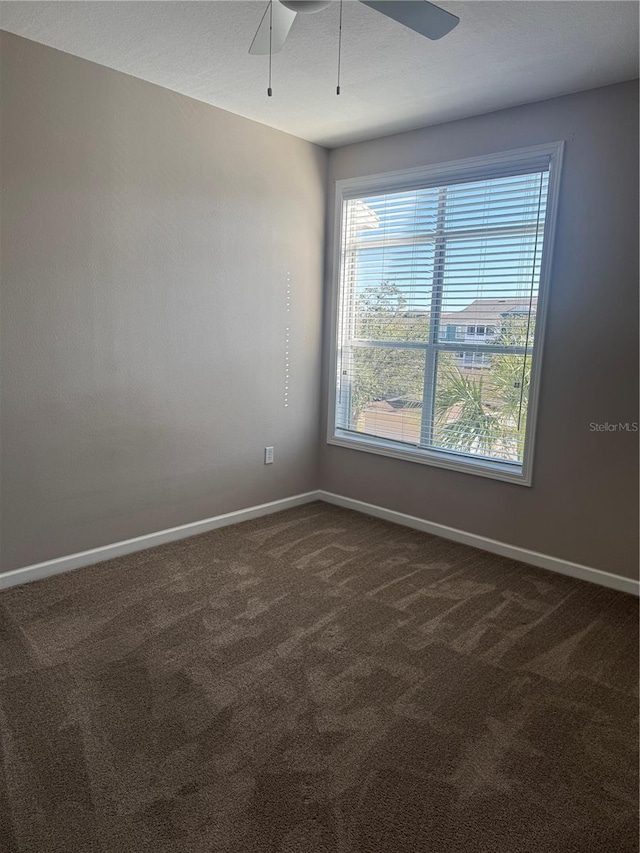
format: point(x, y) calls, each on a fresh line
point(464, 421)
point(383, 373)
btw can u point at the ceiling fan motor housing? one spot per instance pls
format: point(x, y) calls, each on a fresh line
point(306, 5)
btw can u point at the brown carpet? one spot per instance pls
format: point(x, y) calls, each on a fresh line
point(317, 681)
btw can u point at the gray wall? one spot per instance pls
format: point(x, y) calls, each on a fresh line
point(146, 243)
point(583, 503)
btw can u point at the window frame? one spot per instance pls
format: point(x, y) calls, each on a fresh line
point(483, 167)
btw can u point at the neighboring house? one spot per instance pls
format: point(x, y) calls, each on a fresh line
point(481, 322)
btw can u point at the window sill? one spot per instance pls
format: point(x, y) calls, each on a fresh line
point(509, 473)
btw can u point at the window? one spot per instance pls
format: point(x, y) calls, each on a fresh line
point(474, 359)
point(439, 311)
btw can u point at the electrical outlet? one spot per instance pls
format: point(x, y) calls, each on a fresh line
point(268, 455)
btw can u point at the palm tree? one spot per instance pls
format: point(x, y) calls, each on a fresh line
point(464, 421)
point(484, 414)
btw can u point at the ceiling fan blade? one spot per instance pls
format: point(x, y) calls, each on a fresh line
point(282, 20)
point(419, 15)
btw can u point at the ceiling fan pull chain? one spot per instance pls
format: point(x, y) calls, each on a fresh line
point(339, 49)
point(269, 89)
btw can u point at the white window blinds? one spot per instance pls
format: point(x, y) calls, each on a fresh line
point(436, 319)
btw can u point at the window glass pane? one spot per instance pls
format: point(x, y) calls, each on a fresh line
point(382, 387)
point(394, 216)
point(391, 310)
point(489, 277)
point(481, 404)
point(388, 265)
point(498, 203)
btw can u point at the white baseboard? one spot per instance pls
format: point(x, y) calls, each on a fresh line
point(523, 555)
point(108, 552)
point(150, 540)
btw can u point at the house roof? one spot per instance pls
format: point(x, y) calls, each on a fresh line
point(487, 311)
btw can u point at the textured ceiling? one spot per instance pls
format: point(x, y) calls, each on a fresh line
point(500, 55)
